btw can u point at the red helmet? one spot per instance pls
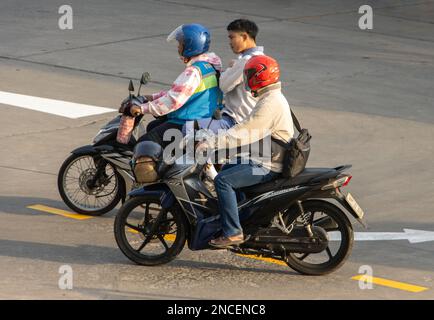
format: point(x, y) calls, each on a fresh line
point(260, 71)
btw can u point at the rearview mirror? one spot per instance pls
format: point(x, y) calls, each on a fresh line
point(146, 77)
point(131, 86)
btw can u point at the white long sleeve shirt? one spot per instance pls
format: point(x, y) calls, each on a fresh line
point(271, 116)
point(238, 102)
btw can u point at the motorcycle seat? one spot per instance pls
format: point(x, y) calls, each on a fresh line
point(306, 176)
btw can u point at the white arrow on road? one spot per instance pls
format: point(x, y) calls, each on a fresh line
point(413, 236)
point(57, 107)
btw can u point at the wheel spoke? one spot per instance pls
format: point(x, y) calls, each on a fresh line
point(75, 193)
point(134, 227)
point(85, 197)
point(147, 213)
point(104, 195)
point(304, 256)
point(78, 170)
point(89, 164)
point(153, 230)
point(329, 253)
point(171, 226)
point(320, 220)
point(71, 178)
point(161, 238)
point(86, 202)
point(144, 243)
point(81, 166)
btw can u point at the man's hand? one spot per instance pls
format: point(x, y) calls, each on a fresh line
point(149, 97)
point(132, 110)
point(202, 146)
point(206, 140)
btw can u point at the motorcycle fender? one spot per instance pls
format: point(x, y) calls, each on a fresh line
point(341, 199)
point(89, 149)
point(167, 199)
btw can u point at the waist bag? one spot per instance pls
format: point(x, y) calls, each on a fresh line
point(296, 151)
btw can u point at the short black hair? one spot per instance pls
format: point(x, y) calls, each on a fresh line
point(244, 25)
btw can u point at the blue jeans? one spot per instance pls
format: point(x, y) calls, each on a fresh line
point(231, 178)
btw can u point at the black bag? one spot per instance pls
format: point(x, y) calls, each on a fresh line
point(296, 151)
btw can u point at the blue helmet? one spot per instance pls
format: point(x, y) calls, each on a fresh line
point(194, 37)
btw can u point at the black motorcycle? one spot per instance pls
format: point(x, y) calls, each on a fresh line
point(291, 220)
point(94, 178)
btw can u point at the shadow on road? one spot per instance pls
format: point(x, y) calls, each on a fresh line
point(18, 205)
point(396, 254)
point(98, 255)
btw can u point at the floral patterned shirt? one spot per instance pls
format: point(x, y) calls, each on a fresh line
point(182, 89)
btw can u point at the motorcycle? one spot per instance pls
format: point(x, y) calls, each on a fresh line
point(94, 178)
point(291, 220)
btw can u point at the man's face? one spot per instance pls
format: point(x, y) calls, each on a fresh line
point(237, 41)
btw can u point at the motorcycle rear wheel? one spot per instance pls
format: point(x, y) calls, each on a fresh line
point(75, 171)
point(332, 219)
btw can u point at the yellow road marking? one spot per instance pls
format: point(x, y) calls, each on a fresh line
point(168, 237)
point(270, 260)
point(59, 212)
point(390, 283)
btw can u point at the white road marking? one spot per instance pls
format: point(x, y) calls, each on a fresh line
point(57, 107)
point(413, 236)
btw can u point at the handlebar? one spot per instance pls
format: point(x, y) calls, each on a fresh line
point(135, 101)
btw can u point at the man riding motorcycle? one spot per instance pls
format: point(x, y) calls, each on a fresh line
point(194, 94)
point(272, 113)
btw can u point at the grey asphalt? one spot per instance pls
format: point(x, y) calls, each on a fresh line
point(366, 96)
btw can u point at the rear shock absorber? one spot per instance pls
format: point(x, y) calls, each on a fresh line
point(305, 219)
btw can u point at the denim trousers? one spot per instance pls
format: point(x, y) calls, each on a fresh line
point(231, 178)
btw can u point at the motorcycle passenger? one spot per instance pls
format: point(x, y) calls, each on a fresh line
point(272, 112)
point(194, 94)
point(238, 102)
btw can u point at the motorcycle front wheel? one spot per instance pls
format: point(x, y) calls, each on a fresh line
point(75, 185)
point(148, 234)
